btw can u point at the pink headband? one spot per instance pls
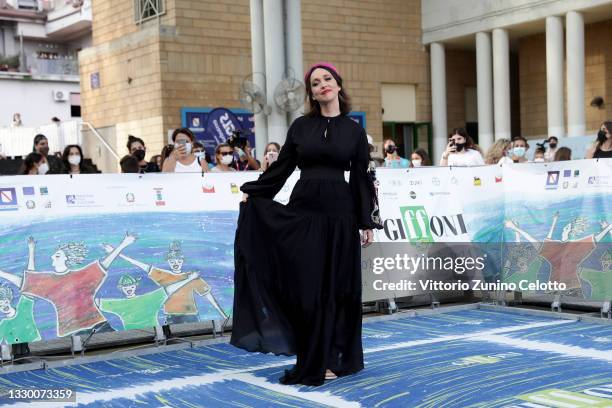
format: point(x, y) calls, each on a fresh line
point(322, 64)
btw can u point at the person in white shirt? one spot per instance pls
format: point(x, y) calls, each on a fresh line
point(461, 151)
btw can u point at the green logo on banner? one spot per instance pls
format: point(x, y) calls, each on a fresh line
point(416, 224)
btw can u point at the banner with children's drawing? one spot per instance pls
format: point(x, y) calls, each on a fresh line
point(128, 251)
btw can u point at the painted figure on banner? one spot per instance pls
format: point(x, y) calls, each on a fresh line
point(566, 255)
point(17, 323)
point(180, 307)
point(69, 288)
point(140, 311)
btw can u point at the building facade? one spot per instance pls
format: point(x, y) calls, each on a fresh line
point(39, 45)
point(142, 71)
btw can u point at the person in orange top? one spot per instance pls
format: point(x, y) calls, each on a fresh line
point(180, 307)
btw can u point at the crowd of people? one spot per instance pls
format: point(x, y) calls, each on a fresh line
point(185, 154)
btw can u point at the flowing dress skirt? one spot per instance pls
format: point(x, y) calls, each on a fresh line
point(298, 279)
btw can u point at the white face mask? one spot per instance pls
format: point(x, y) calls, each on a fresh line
point(43, 168)
point(271, 156)
point(74, 160)
point(417, 163)
point(227, 160)
point(519, 151)
point(199, 155)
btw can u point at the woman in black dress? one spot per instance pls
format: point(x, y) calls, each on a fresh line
point(298, 269)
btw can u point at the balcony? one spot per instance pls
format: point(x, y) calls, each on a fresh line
point(68, 19)
point(62, 66)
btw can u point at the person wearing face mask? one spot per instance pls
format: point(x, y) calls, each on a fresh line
point(246, 161)
point(41, 146)
point(136, 147)
point(270, 155)
point(539, 155)
point(72, 158)
point(460, 151)
point(419, 158)
point(34, 164)
point(224, 154)
point(182, 159)
point(392, 158)
point(602, 147)
point(549, 155)
point(517, 152)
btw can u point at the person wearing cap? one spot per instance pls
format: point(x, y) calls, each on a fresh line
point(140, 311)
point(297, 267)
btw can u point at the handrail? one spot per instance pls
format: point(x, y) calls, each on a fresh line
point(101, 139)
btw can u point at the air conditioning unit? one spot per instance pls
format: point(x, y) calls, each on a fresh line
point(60, 96)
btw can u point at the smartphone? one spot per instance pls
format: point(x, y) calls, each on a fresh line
point(182, 142)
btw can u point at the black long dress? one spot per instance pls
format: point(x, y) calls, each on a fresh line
point(297, 267)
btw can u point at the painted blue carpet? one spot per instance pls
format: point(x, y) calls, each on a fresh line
point(472, 358)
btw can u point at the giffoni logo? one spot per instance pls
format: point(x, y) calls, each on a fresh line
point(415, 225)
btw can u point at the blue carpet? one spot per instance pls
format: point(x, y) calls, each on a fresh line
point(472, 358)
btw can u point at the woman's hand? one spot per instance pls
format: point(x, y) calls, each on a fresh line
point(245, 196)
point(179, 151)
point(450, 148)
point(367, 237)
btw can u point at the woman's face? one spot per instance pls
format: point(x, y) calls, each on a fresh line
point(457, 138)
point(74, 152)
point(137, 146)
point(224, 151)
point(42, 146)
point(271, 148)
point(605, 129)
point(519, 143)
point(415, 156)
point(323, 86)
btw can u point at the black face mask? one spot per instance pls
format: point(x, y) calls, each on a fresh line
point(139, 154)
point(553, 145)
point(391, 149)
point(44, 150)
point(601, 136)
point(459, 146)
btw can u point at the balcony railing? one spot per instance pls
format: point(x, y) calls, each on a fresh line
point(62, 66)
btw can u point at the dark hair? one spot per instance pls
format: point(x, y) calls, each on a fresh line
point(608, 125)
point(29, 162)
point(129, 164)
point(37, 140)
point(219, 146)
point(553, 137)
point(424, 156)
point(540, 150)
point(197, 145)
point(564, 153)
point(166, 150)
point(65, 158)
point(184, 131)
point(469, 143)
point(343, 98)
point(132, 140)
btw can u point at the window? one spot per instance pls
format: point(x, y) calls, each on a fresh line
point(147, 9)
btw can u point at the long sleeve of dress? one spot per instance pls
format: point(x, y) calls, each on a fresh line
point(273, 179)
point(363, 189)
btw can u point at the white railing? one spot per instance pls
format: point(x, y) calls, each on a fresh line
point(19, 141)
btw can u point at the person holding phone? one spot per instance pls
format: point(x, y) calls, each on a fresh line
point(182, 159)
point(297, 266)
point(270, 155)
point(461, 150)
point(603, 145)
